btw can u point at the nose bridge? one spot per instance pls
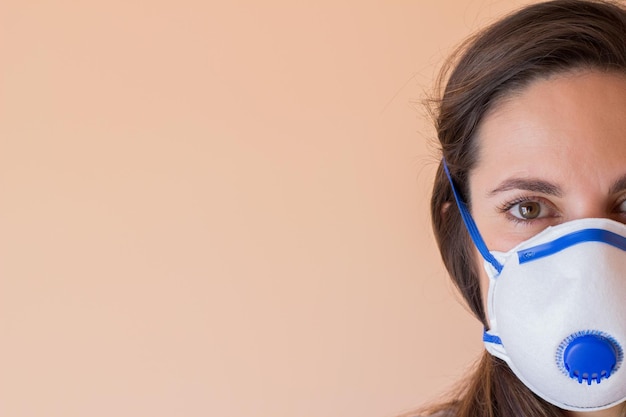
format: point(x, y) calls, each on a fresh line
point(589, 212)
point(588, 204)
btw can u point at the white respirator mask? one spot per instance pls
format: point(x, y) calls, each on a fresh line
point(557, 310)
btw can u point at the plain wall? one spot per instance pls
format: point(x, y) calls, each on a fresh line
point(221, 208)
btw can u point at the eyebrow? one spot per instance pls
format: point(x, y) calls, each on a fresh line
point(535, 185)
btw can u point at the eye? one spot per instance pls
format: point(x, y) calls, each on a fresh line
point(621, 207)
point(527, 209)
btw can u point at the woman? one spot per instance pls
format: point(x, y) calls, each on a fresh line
point(532, 127)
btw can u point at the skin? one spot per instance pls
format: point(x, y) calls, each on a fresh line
point(555, 151)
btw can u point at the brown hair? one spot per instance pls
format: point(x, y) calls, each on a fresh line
point(535, 42)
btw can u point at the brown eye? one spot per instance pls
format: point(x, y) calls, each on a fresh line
point(529, 210)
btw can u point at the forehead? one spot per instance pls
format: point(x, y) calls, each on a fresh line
point(567, 122)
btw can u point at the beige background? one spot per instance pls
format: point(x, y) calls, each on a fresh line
point(220, 208)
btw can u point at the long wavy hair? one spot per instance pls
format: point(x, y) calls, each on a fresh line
point(535, 42)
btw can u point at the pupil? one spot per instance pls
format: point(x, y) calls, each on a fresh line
point(529, 210)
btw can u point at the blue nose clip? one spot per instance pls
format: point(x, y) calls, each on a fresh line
point(590, 357)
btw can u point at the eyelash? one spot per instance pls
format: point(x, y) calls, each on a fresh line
point(620, 201)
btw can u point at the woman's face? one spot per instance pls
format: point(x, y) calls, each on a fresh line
point(552, 153)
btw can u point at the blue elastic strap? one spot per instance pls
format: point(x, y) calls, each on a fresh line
point(490, 338)
point(470, 225)
point(571, 239)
